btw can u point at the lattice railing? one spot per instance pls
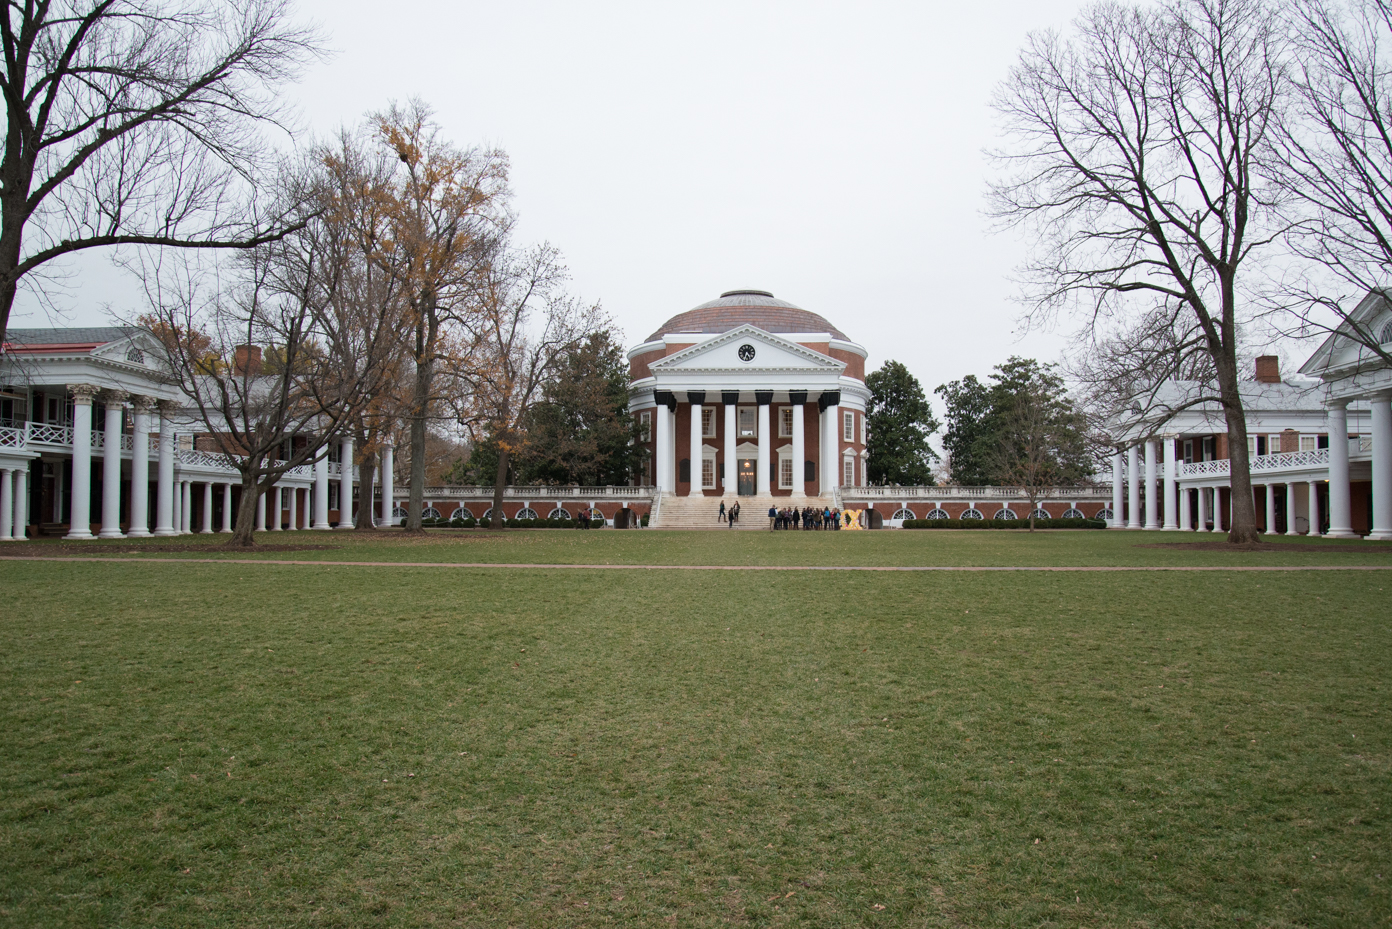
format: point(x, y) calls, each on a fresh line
point(12, 437)
point(945, 492)
point(50, 434)
point(534, 492)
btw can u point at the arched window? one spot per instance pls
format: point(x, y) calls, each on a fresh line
point(1073, 513)
point(398, 512)
point(973, 513)
point(1105, 514)
point(1040, 513)
point(903, 514)
point(559, 512)
point(942, 514)
point(526, 513)
point(430, 513)
point(136, 356)
point(487, 514)
point(1385, 336)
point(1006, 513)
point(462, 513)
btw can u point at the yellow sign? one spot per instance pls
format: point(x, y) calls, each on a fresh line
point(850, 519)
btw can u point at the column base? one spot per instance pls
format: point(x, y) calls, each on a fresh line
point(346, 526)
point(138, 534)
point(322, 527)
point(79, 536)
point(1341, 534)
point(1169, 529)
point(221, 531)
point(111, 534)
point(164, 532)
point(1379, 535)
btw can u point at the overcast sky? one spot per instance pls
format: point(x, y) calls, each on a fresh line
point(831, 154)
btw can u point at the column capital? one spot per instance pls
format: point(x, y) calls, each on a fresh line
point(1336, 403)
point(167, 407)
point(827, 399)
point(797, 397)
point(141, 403)
point(112, 396)
point(83, 393)
point(763, 397)
point(729, 397)
point(696, 397)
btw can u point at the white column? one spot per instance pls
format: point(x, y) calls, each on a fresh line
point(139, 522)
point(207, 507)
point(275, 508)
point(6, 504)
point(1133, 490)
point(80, 521)
point(186, 509)
point(111, 467)
point(666, 450)
point(731, 483)
point(1203, 510)
point(177, 511)
point(294, 508)
point(1290, 509)
point(765, 444)
point(1340, 510)
point(21, 502)
point(321, 490)
point(1314, 509)
point(1382, 467)
point(1270, 510)
point(697, 439)
point(261, 513)
point(1118, 491)
point(1152, 494)
point(1185, 523)
point(164, 476)
point(1169, 476)
point(388, 484)
point(226, 508)
point(799, 447)
point(831, 446)
point(345, 486)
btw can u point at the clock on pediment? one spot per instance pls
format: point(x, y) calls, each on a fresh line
point(746, 352)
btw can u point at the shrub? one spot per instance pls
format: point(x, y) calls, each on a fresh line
point(485, 523)
point(644, 520)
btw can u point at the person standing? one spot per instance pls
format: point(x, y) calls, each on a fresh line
point(773, 517)
point(734, 513)
point(721, 517)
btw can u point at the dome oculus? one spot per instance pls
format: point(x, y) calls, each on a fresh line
point(746, 352)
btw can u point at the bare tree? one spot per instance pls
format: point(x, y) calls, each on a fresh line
point(269, 351)
point(446, 216)
point(138, 122)
point(1336, 167)
point(526, 326)
point(1137, 161)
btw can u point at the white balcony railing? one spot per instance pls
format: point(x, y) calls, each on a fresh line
point(1283, 461)
point(534, 492)
point(946, 492)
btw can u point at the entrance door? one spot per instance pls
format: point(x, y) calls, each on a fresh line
point(746, 476)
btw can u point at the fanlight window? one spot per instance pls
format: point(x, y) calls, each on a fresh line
point(1073, 514)
point(526, 513)
point(1040, 513)
point(398, 512)
point(1004, 514)
point(971, 514)
point(1104, 514)
point(942, 514)
point(462, 513)
point(487, 514)
point(903, 514)
point(135, 356)
point(559, 512)
point(430, 513)
point(1385, 336)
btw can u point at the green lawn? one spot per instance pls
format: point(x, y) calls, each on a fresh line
point(264, 745)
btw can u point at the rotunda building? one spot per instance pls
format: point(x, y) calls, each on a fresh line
point(750, 395)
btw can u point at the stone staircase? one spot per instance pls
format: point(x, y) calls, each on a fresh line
point(701, 512)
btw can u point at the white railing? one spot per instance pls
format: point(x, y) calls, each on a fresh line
point(1283, 461)
point(1080, 492)
point(12, 437)
point(50, 434)
point(531, 492)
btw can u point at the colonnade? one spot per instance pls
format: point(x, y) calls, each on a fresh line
point(1128, 478)
point(828, 407)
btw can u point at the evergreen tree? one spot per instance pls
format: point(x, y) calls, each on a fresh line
point(899, 421)
point(968, 426)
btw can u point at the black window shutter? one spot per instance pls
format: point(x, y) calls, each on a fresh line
point(684, 473)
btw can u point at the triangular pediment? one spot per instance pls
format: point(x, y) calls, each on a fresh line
point(1342, 351)
point(139, 349)
point(769, 353)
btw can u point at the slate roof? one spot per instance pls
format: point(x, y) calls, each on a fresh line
point(756, 307)
point(89, 335)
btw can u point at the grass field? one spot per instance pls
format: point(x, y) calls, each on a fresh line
point(269, 745)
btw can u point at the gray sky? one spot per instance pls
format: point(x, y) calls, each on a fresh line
point(829, 153)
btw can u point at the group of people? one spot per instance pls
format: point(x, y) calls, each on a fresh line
point(789, 517)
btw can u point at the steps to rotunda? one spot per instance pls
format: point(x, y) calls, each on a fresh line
point(678, 512)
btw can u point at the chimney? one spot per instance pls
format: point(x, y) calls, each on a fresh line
point(1268, 369)
point(248, 360)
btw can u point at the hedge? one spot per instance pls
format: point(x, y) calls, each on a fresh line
point(1004, 524)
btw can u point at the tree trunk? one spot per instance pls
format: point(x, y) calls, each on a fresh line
point(245, 525)
point(367, 475)
point(499, 483)
point(1033, 506)
point(420, 405)
point(1244, 509)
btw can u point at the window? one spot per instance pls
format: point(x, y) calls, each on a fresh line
point(973, 513)
point(1385, 336)
point(863, 422)
point(748, 422)
point(645, 424)
point(559, 512)
point(430, 513)
point(708, 473)
point(1254, 446)
point(1040, 513)
point(708, 422)
point(1307, 443)
point(1188, 451)
point(398, 512)
point(1076, 513)
point(903, 514)
point(1273, 444)
point(785, 422)
point(1208, 454)
point(937, 514)
point(785, 473)
point(1006, 513)
point(135, 356)
point(461, 512)
point(487, 514)
point(848, 472)
point(848, 426)
point(184, 443)
point(1107, 513)
point(526, 513)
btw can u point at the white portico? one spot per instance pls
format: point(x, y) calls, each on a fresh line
point(753, 396)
